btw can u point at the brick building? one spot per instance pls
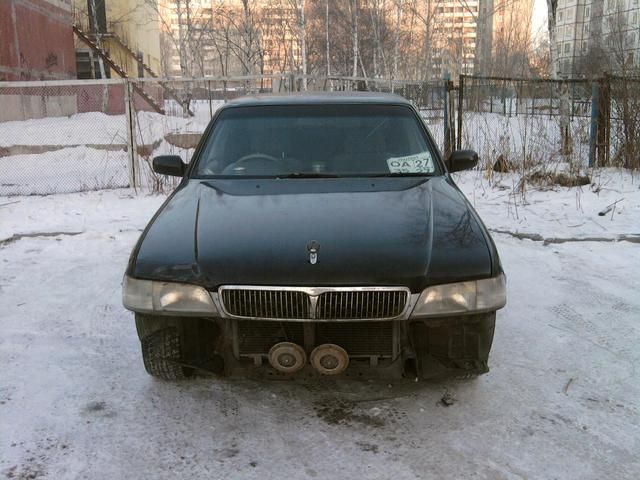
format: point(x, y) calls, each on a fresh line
point(36, 40)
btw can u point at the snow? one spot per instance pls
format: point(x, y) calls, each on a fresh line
point(562, 399)
point(557, 212)
point(69, 169)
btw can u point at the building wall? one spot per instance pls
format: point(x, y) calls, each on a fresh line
point(36, 40)
point(139, 27)
point(610, 28)
point(137, 23)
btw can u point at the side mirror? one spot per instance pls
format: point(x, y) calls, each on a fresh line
point(169, 165)
point(462, 160)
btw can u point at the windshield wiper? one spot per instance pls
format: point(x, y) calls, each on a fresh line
point(308, 175)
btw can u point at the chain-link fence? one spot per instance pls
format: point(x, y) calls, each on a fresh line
point(62, 137)
point(78, 135)
point(534, 124)
point(519, 123)
point(68, 136)
point(622, 96)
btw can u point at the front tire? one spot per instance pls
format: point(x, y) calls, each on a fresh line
point(163, 346)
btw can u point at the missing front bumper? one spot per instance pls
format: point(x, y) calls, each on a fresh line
point(424, 348)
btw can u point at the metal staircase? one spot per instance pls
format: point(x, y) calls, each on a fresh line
point(167, 89)
point(89, 40)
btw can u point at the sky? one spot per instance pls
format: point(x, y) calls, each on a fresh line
point(539, 18)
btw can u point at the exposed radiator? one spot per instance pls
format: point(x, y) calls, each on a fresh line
point(357, 338)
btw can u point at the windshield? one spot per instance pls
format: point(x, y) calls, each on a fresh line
point(317, 140)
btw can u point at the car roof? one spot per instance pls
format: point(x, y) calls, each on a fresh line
point(315, 98)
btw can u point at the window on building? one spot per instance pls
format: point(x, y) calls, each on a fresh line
point(567, 47)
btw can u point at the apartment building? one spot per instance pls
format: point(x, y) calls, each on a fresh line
point(225, 39)
point(485, 37)
point(593, 36)
point(191, 47)
point(455, 34)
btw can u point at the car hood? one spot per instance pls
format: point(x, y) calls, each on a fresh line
point(385, 231)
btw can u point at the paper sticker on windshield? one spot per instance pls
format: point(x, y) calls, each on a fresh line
point(418, 163)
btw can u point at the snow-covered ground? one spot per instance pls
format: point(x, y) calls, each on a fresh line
point(562, 399)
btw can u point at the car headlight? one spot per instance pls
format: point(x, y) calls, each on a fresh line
point(147, 296)
point(465, 297)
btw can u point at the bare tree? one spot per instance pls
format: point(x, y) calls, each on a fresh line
point(552, 7)
point(299, 8)
point(327, 43)
point(355, 14)
point(396, 38)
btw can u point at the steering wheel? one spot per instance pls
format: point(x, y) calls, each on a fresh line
point(255, 157)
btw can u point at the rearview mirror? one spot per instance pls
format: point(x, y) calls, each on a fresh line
point(462, 160)
point(169, 165)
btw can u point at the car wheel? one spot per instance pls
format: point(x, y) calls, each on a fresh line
point(163, 346)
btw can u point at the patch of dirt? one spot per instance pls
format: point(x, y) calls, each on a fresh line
point(19, 236)
point(183, 140)
point(39, 149)
point(562, 179)
point(368, 447)
point(100, 409)
point(342, 412)
point(25, 472)
point(36, 459)
point(95, 407)
point(535, 237)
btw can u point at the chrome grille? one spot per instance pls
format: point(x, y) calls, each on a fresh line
point(266, 303)
point(351, 305)
point(319, 304)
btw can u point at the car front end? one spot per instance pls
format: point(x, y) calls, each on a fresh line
point(283, 266)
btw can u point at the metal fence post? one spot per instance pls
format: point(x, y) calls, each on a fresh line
point(593, 133)
point(460, 110)
point(604, 121)
point(131, 134)
point(504, 98)
point(447, 127)
point(210, 101)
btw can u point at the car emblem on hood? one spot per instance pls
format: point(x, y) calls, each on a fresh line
point(313, 247)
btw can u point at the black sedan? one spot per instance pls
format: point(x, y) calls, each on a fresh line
point(316, 234)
